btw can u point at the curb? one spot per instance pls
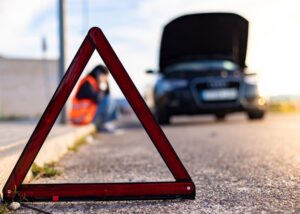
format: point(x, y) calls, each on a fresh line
point(52, 150)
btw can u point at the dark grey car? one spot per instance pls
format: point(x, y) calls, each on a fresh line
point(202, 69)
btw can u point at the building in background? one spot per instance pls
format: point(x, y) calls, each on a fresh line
point(26, 86)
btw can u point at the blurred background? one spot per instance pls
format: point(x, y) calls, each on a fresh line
point(238, 166)
point(29, 44)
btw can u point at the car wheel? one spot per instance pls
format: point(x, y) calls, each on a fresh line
point(220, 116)
point(163, 117)
point(256, 115)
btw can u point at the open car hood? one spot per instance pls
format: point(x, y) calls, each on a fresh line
point(204, 36)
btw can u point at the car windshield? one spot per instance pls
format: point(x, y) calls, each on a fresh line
point(202, 66)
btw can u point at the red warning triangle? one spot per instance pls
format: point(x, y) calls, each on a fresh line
point(182, 187)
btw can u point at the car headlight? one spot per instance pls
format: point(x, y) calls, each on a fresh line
point(166, 85)
point(171, 84)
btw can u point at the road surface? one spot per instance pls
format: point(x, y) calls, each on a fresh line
point(237, 166)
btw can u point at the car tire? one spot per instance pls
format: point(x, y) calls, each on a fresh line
point(220, 116)
point(162, 117)
point(256, 115)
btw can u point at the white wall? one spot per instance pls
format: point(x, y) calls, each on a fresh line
point(26, 86)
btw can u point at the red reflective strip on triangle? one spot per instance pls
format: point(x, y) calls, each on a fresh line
point(55, 198)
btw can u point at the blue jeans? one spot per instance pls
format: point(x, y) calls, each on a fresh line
point(106, 111)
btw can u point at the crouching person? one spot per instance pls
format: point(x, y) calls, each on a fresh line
point(92, 103)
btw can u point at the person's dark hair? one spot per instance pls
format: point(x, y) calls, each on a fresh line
point(99, 69)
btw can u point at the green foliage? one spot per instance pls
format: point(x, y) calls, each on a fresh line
point(48, 170)
point(36, 170)
point(77, 144)
point(4, 209)
point(284, 106)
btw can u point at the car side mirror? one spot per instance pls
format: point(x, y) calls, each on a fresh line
point(250, 74)
point(149, 71)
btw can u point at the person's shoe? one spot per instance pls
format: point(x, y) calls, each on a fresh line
point(108, 127)
point(111, 128)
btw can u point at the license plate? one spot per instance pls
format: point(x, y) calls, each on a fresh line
point(219, 94)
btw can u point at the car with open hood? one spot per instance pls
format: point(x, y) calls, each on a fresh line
point(202, 69)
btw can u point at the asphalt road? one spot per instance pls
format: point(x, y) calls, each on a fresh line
point(237, 165)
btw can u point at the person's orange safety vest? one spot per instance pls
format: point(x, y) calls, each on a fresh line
point(83, 110)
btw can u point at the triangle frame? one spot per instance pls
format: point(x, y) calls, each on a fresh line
point(182, 187)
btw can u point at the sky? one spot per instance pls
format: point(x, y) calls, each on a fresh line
point(134, 27)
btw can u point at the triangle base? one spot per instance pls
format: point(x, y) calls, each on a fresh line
point(103, 191)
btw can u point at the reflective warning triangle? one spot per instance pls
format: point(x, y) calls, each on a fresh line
point(182, 187)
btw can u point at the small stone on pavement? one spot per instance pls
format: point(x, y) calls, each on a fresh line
point(14, 205)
